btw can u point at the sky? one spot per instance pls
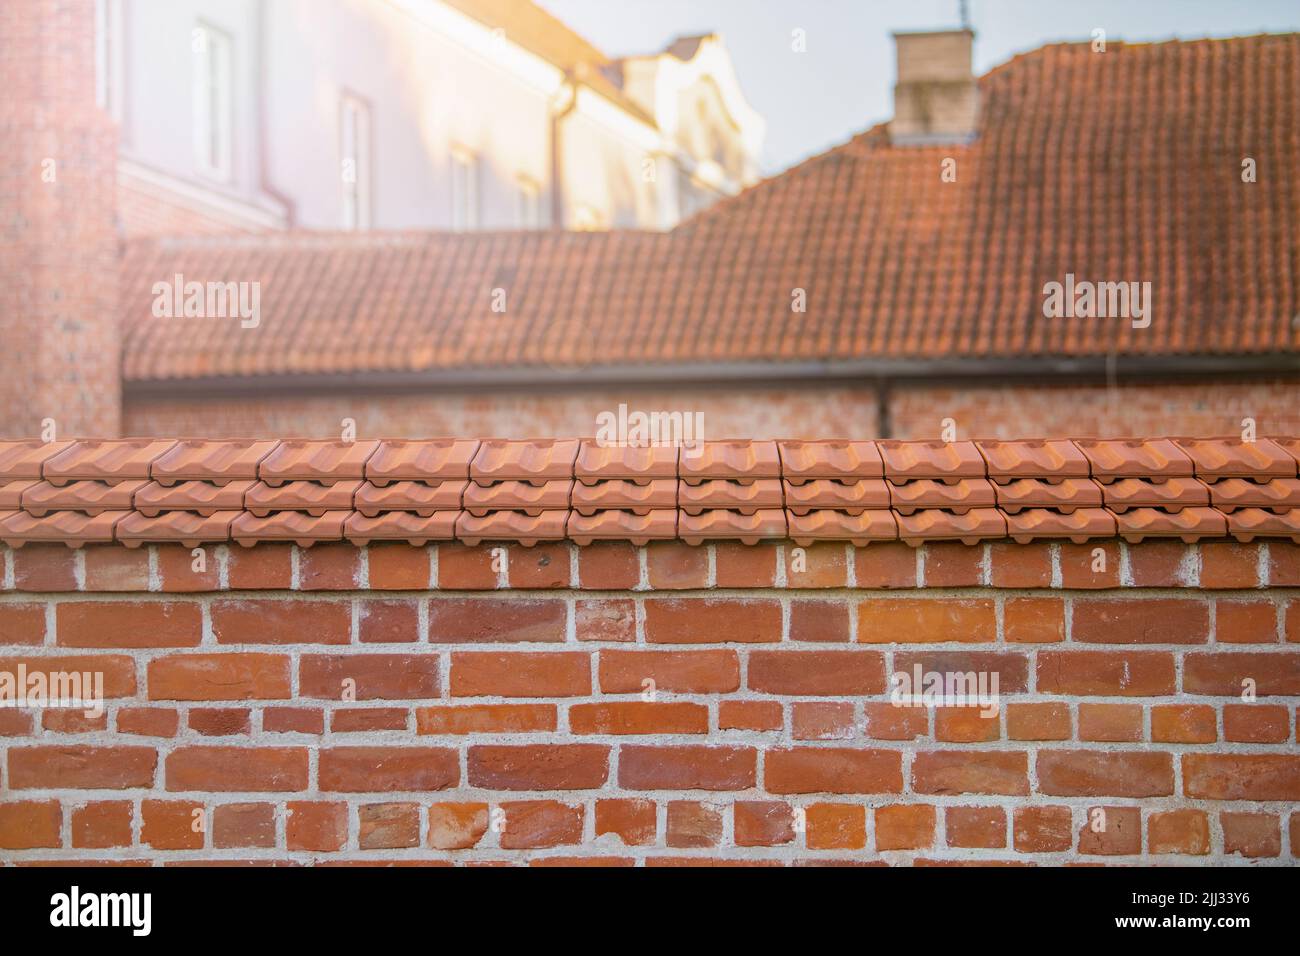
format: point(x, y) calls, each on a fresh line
point(843, 83)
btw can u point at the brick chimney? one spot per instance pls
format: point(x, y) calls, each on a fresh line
point(935, 99)
point(60, 342)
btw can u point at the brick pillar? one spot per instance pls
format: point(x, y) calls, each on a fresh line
point(60, 341)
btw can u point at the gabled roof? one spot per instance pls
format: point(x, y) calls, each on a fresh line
point(1122, 166)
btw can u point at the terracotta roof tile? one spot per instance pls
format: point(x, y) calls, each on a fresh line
point(123, 459)
point(431, 461)
point(1140, 488)
point(323, 461)
point(597, 463)
point(23, 459)
point(538, 460)
point(217, 462)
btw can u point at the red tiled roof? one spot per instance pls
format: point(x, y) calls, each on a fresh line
point(1122, 166)
point(527, 491)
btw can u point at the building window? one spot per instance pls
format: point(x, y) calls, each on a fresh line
point(354, 161)
point(528, 214)
point(464, 190)
point(213, 101)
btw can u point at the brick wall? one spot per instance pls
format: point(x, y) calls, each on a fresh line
point(998, 410)
point(499, 711)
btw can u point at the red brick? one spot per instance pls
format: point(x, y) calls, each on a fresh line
point(368, 676)
point(609, 566)
point(148, 721)
point(820, 621)
point(968, 771)
point(72, 722)
point(887, 722)
point(545, 565)
point(631, 820)
point(1227, 564)
point(738, 565)
point(538, 767)
point(833, 770)
point(329, 567)
point(45, 567)
point(1020, 565)
point(763, 823)
point(398, 566)
point(1283, 563)
point(1093, 773)
point(1142, 621)
point(712, 621)
point(675, 565)
point(1111, 723)
point(81, 768)
point(535, 824)
point(951, 564)
point(1256, 723)
point(220, 677)
point(836, 826)
point(118, 671)
point(1183, 724)
point(693, 824)
point(235, 769)
point(30, 824)
point(926, 620)
point(102, 825)
point(457, 826)
point(687, 768)
point(822, 720)
point(1240, 776)
point(1078, 562)
point(22, 624)
point(1118, 831)
point(605, 620)
point(172, 824)
point(493, 620)
point(268, 621)
point(486, 719)
point(389, 826)
point(128, 624)
point(315, 826)
point(1178, 831)
point(1110, 673)
point(515, 674)
point(1295, 834)
point(1033, 620)
point(965, 725)
point(293, 720)
point(1158, 564)
point(1042, 829)
point(976, 827)
point(1011, 667)
point(760, 715)
point(681, 672)
point(176, 569)
point(243, 825)
point(220, 722)
point(904, 827)
point(639, 717)
point(262, 567)
point(1245, 622)
point(817, 673)
point(386, 769)
point(388, 622)
point(824, 566)
point(885, 565)
point(355, 720)
point(1223, 672)
point(1253, 835)
point(111, 567)
point(465, 568)
point(14, 723)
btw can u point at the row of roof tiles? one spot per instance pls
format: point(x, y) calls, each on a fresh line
point(137, 491)
point(383, 461)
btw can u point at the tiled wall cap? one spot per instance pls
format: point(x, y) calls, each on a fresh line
point(185, 527)
point(217, 462)
point(200, 497)
point(11, 492)
point(1064, 496)
point(92, 497)
point(432, 460)
point(110, 461)
point(309, 496)
point(1172, 494)
point(743, 461)
point(1215, 458)
point(1079, 525)
point(719, 493)
point(538, 460)
point(803, 461)
point(852, 497)
point(944, 461)
point(978, 524)
point(1280, 494)
point(512, 526)
point(69, 527)
point(1190, 524)
point(656, 495)
point(958, 497)
point(1155, 458)
point(296, 526)
point(23, 459)
point(638, 464)
point(420, 497)
point(415, 529)
point(861, 529)
point(655, 525)
point(1249, 523)
point(530, 498)
point(326, 462)
point(1047, 458)
point(731, 525)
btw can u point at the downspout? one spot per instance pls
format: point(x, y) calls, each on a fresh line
point(561, 107)
point(884, 423)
